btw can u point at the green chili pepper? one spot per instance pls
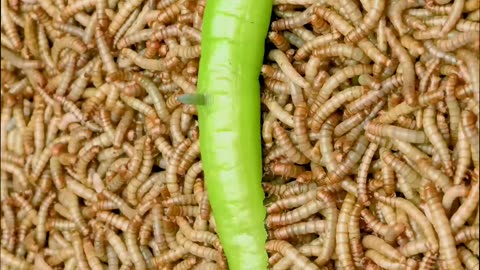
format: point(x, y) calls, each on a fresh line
point(233, 36)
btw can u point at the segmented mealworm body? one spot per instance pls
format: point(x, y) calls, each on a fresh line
point(286, 144)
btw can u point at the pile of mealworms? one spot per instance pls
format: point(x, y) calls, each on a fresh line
point(370, 133)
point(93, 137)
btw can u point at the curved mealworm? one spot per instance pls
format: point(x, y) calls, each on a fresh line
point(316, 44)
point(332, 104)
point(285, 65)
point(287, 146)
point(290, 252)
point(440, 222)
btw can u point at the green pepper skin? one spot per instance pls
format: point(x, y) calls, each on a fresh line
point(233, 38)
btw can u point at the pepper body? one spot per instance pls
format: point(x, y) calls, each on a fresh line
point(233, 36)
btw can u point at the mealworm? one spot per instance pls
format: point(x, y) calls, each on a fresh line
point(316, 44)
point(383, 261)
point(105, 55)
point(10, 29)
point(362, 173)
point(121, 16)
point(293, 22)
point(145, 63)
point(40, 233)
point(471, 133)
point(340, 24)
point(341, 237)
point(466, 208)
point(77, 244)
point(281, 59)
point(70, 200)
point(10, 259)
point(118, 246)
point(302, 212)
point(467, 258)
point(290, 252)
point(368, 22)
point(439, 220)
point(90, 255)
point(18, 61)
point(467, 234)
point(406, 66)
point(287, 146)
point(415, 214)
point(332, 104)
point(350, 160)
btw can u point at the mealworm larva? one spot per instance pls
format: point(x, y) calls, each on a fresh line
point(470, 131)
point(466, 208)
point(112, 219)
point(18, 172)
point(349, 123)
point(467, 258)
point(287, 146)
point(415, 214)
point(340, 24)
point(336, 79)
point(433, 133)
point(467, 234)
point(189, 157)
point(40, 233)
point(138, 105)
point(414, 46)
point(383, 261)
point(281, 59)
point(70, 42)
point(293, 22)
point(277, 111)
point(122, 15)
point(317, 43)
point(368, 22)
point(302, 212)
point(158, 101)
point(279, 41)
point(341, 237)
point(145, 63)
point(406, 65)
point(70, 201)
point(389, 232)
point(423, 165)
point(15, 262)
point(10, 28)
point(290, 252)
point(379, 245)
point(77, 244)
point(352, 157)
point(197, 236)
point(90, 255)
point(436, 52)
point(452, 194)
point(398, 133)
point(187, 52)
point(105, 55)
point(344, 50)
point(60, 224)
point(362, 173)
point(439, 220)
point(171, 255)
point(332, 104)
point(112, 259)
point(287, 170)
point(118, 246)
point(18, 61)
